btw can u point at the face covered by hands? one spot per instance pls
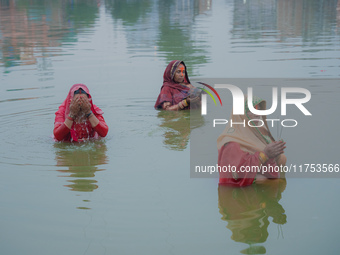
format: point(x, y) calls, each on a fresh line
point(84, 103)
point(80, 104)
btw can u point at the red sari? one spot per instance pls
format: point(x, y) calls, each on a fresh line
point(172, 91)
point(78, 131)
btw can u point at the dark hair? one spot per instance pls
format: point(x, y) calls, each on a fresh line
point(80, 91)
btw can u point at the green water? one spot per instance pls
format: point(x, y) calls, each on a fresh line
point(131, 193)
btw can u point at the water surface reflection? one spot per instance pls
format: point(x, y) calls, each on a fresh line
point(164, 28)
point(177, 39)
point(80, 162)
point(247, 211)
point(177, 127)
point(281, 19)
point(32, 33)
point(298, 30)
point(35, 34)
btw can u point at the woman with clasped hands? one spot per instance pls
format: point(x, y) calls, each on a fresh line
point(249, 151)
point(78, 119)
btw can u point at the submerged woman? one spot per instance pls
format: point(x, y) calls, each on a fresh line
point(78, 118)
point(177, 93)
point(247, 148)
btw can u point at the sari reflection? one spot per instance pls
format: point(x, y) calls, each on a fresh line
point(247, 210)
point(177, 126)
point(82, 161)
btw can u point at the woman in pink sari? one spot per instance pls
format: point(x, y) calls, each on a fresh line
point(247, 147)
point(78, 119)
point(177, 93)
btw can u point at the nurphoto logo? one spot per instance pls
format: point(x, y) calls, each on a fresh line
point(239, 104)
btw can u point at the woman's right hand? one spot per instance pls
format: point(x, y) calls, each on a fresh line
point(274, 149)
point(74, 106)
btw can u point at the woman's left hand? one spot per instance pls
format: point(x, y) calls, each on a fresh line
point(85, 104)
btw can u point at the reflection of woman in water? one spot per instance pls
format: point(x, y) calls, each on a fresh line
point(78, 118)
point(178, 126)
point(80, 162)
point(247, 211)
point(177, 93)
point(243, 147)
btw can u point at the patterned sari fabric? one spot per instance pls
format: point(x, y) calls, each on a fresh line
point(172, 91)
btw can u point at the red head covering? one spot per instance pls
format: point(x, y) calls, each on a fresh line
point(65, 106)
point(64, 109)
point(179, 92)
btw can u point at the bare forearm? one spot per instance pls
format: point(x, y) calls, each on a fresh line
point(177, 107)
point(93, 119)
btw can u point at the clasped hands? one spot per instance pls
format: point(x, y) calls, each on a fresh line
point(80, 105)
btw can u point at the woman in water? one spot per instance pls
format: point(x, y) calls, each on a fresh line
point(177, 93)
point(78, 118)
point(244, 149)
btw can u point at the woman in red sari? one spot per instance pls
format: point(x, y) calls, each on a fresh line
point(78, 118)
point(244, 147)
point(177, 93)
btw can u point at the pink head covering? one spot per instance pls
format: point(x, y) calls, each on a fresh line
point(65, 106)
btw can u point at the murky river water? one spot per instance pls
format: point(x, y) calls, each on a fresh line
point(131, 193)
